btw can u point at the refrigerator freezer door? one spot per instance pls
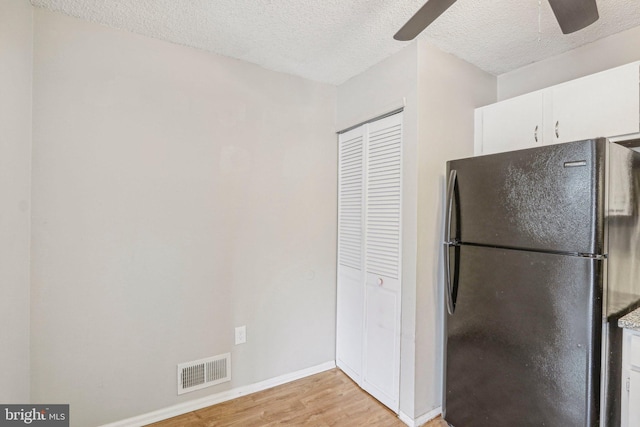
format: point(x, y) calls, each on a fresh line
point(523, 344)
point(547, 198)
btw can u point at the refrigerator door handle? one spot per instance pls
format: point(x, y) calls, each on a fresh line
point(453, 176)
point(448, 242)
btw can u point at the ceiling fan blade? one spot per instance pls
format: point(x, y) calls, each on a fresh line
point(422, 18)
point(574, 15)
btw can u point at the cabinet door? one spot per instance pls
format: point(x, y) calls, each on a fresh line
point(350, 292)
point(512, 124)
point(604, 104)
point(634, 399)
point(381, 361)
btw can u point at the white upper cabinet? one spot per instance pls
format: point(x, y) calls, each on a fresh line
point(512, 124)
point(605, 104)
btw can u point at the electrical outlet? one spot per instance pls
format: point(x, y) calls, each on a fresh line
point(241, 335)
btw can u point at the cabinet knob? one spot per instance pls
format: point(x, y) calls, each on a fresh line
point(380, 281)
point(557, 130)
point(535, 133)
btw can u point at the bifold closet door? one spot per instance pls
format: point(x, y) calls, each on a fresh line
point(369, 257)
point(383, 201)
point(350, 292)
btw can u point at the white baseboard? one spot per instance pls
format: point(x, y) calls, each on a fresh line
point(194, 405)
point(421, 420)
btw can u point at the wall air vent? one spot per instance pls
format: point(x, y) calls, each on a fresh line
point(204, 373)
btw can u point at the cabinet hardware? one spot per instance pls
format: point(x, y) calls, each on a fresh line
point(535, 133)
point(557, 131)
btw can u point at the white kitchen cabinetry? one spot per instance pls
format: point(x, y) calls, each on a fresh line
point(630, 378)
point(605, 104)
point(512, 124)
point(369, 257)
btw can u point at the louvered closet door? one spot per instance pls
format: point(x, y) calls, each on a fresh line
point(383, 184)
point(350, 298)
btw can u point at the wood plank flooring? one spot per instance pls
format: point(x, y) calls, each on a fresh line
point(326, 399)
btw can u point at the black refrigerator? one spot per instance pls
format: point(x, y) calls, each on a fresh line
point(542, 256)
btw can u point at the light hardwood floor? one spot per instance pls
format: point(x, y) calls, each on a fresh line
point(326, 399)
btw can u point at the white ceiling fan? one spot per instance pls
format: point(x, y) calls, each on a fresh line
point(572, 15)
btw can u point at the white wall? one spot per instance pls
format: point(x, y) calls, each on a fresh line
point(449, 90)
point(176, 194)
point(609, 52)
point(16, 42)
point(439, 93)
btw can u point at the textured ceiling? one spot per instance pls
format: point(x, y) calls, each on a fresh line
point(333, 40)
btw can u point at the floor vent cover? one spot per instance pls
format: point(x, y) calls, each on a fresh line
point(204, 373)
